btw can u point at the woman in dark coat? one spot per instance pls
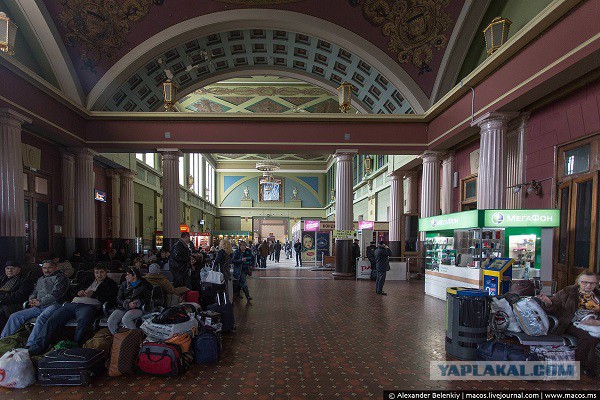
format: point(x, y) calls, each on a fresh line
point(15, 289)
point(133, 294)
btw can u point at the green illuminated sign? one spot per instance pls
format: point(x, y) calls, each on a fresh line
point(462, 220)
point(521, 218)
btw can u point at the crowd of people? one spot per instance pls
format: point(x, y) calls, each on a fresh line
point(118, 281)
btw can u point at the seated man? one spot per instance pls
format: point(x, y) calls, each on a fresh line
point(85, 307)
point(64, 266)
point(15, 289)
point(155, 278)
point(48, 294)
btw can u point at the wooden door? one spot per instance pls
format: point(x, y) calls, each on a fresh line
point(576, 238)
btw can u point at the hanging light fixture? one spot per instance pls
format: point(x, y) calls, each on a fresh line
point(170, 95)
point(496, 34)
point(368, 164)
point(8, 34)
point(345, 96)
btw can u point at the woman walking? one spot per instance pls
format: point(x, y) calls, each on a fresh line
point(242, 266)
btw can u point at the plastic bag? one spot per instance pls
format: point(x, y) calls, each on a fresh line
point(593, 330)
point(16, 369)
point(531, 317)
point(502, 305)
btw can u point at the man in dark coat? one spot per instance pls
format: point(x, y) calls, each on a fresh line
point(382, 263)
point(298, 250)
point(277, 250)
point(263, 252)
point(370, 250)
point(15, 289)
point(271, 250)
point(179, 262)
point(355, 254)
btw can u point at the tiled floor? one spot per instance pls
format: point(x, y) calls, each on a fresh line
point(310, 338)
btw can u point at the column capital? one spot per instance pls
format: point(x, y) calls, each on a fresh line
point(67, 156)
point(170, 154)
point(411, 174)
point(113, 173)
point(495, 118)
point(448, 158)
point(396, 175)
point(431, 156)
point(345, 154)
point(84, 153)
point(10, 117)
point(127, 174)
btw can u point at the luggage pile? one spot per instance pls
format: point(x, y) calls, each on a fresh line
point(166, 344)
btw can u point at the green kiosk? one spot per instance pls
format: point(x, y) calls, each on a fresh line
point(458, 246)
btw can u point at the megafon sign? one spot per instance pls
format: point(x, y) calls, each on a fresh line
point(522, 218)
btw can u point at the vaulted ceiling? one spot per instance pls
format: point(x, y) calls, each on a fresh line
point(400, 55)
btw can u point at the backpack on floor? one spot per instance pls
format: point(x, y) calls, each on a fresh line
point(124, 351)
point(162, 359)
point(102, 340)
point(207, 347)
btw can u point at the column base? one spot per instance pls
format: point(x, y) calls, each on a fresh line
point(396, 248)
point(343, 276)
point(13, 248)
point(343, 258)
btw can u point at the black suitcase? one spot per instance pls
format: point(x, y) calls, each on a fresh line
point(71, 367)
point(226, 310)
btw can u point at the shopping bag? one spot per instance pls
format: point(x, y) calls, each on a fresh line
point(16, 369)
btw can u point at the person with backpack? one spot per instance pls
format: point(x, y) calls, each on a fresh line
point(242, 264)
point(298, 250)
point(133, 294)
point(370, 252)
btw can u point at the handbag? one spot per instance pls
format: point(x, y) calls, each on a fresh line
point(215, 277)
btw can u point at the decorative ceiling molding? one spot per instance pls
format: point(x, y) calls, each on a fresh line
point(240, 19)
point(259, 2)
point(195, 60)
point(54, 50)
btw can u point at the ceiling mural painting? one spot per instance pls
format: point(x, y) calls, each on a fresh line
point(262, 91)
point(415, 28)
point(99, 27)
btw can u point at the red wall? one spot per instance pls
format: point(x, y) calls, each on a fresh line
point(565, 120)
point(463, 167)
point(103, 210)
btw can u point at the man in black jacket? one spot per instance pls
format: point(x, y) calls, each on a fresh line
point(15, 289)
point(370, 250)
point(298, 250)
point(85, 307)
point(382, 263)
point(179, 263)
point(355, 254)
point(277, 250)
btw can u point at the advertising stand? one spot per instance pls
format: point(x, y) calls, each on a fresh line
point(315, 237)
point(457, 246)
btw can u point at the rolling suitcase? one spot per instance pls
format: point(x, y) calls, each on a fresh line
point(207, 346)
point(71, 367)
point(226, 310)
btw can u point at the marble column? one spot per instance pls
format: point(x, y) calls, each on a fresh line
point(491, 178)
point(515, 172)
point(115, 204)
point(85, 211)
point(171, 202)
point(430, 184)
point(412, 192)
point(12, 211)
point(344, 213)
point(127, 212)
point(447, 178)
point(396, 213)
point(68, 199)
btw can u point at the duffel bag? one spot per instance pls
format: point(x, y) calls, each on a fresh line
point(498, 351)
point(162, 359)
point(102, 340)
point(16, 340)
point(207, 347)
point(161, 332)
point(554, 353)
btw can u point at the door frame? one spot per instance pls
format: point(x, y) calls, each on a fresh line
point(33, 197)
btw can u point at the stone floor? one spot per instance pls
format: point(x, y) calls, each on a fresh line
point(308, 336)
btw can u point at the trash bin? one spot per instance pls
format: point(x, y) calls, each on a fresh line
point(467, 318)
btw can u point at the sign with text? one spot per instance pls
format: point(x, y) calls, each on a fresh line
point(522, 218)
point(100, 195)
point(461, 220)
point(366, 225)
point(311, 226)
point(327, 225)
point(343, 235)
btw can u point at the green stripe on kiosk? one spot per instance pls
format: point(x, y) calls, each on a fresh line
point(521, 218)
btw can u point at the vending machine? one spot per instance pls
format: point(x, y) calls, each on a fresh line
point(497, 275)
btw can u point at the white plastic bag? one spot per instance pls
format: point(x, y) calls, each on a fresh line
point(502, 306)
point(593, 330)
point(16, 369)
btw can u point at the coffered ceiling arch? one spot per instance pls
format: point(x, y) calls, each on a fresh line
point(354, 47)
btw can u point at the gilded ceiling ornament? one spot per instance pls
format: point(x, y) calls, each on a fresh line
point(414, 27)
point(261, 91)
point(99, 26)
point(258, 2)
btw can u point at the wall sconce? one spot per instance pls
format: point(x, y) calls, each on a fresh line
point(332, 194)
point(532, 187)
point(496, 34)
point(368, 164)
point(8, 34)
point(345, 96)
point(170, 94)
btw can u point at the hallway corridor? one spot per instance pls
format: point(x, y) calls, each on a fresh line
point(308, 336)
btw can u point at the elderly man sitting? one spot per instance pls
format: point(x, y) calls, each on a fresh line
point(578, 303)
point(15, 289)
point(47, 297)
point(84, 307)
